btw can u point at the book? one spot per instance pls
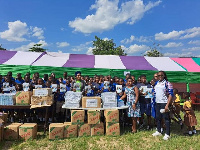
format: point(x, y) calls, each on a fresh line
point(62, 88)
point(106, 84)
point(54, 87)
point(25, 86)
point(118, 88)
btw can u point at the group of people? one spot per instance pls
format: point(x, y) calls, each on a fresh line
point(164, 104)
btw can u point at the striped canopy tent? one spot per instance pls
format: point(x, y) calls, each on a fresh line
point(179, 70)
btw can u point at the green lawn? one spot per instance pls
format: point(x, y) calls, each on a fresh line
point(141, 140)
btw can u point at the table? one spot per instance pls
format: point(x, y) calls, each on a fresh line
point(29, 107)
point(119, 108)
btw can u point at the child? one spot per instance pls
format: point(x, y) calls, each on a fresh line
point(145, 103)
point(105, 86)
point(88, 89)
point(120, 94)
point(176, 108)
point(96, 86)
point(189, 117)
point(132, 94)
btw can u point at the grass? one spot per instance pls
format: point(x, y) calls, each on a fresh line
point(127, 141)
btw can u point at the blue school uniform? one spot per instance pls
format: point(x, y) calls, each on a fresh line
point(90, 93)
point(119, 103)
point(19, 81)
point(113, 87)
point(96, 87)
point(68, 87)
point(104, 90)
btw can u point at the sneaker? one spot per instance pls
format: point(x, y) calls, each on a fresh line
point(161, 130)
point(194, 131)
point(166, 137)
point(157, 134)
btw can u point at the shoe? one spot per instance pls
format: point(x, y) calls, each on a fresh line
point(166, 137)
point(157, 134)
point(194, 131)
point(161, 130)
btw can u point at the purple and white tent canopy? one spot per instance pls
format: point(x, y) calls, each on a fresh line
point(98, 61)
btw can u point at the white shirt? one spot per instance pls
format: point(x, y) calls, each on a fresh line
point(161, 92)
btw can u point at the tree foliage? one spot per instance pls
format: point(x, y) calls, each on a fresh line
point(37, 48)
point(154, 51)
point(1, 48)
point(106, 47)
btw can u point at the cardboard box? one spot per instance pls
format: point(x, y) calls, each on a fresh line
point(3, 118)
point(97, 129)
point(42, 92)
point(112, 129)
point(93, 116)
point(56, 131)
point(11, 132)
point(77, 116)
point(84, 130)
point(70, 130)
point(42, 100)
point(23, 98)
point(91, 102)
point(111, 115)
point(28, 131)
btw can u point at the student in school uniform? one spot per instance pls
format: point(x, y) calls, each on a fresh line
point(105, 86)
point(90, 90)
point(189, 118)
point(145, 103)
point(19, 79)
point(45, 78)
point(96, 86)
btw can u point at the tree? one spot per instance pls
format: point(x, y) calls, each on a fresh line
point(154, 51)
point(106, 47)
point(37, 48)
point(1, 48)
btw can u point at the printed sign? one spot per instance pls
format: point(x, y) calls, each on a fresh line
point(91, 103)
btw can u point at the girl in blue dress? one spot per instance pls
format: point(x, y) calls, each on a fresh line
point(132, 94)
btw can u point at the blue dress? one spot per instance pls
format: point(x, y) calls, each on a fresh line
point(130, 101)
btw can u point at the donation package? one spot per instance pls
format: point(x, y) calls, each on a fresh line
point(109, 99)
point(72, 99)
point(42, 96)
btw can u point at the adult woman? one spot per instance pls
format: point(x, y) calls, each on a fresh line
point(163, 92)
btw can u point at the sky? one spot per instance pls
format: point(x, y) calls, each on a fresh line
point(70, 26)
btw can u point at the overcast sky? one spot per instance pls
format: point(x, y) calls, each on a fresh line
point(69, 26)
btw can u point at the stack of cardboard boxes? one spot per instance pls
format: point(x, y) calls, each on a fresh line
point(112, 122)
point(97, 127)
point(77, 126)
point(17, 131)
